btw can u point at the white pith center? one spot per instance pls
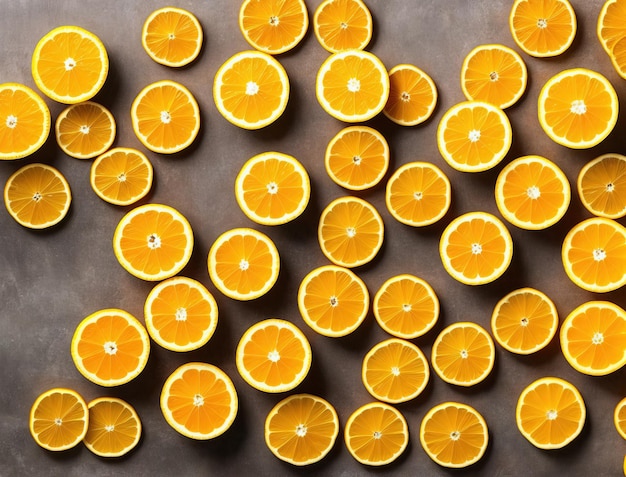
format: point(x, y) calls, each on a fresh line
point(109, 428)
point(407, 307)
point(578, 107)
point(418, 195)
point(351, 232)
point(533, 192)
point(610, 187)
point(552, 414)
point(354, 85)
point(244, 264)
point(110, 347)
point(477, 248)
point(598, 338)
point(273, 356)
point(301, 430)
point(11, 121)
point(405, 96)
point(154, 241)
point(122, 177)
point(166, 117)
point(37, 196)
point(252, 88)
point(494, 76)
point(356, 160)
point(171, 36)
point(69, 63)
point(84, 129)
point(395, 371)
point(377, 435)
point(474, 135)
point(343, 25)
point(455, 435)
point(334, 301)
point(599, 254)
point(58, 421)
point(181, 314)
point(524, 322)
point(272, 188)
point(274, 20)
point(198, 400)
point(464, 354)
point(542, 23)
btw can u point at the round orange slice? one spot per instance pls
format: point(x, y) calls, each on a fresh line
point(601, 186)
point(610, 27)
point(114, 427)
point(343, 25)
point(85, 130)
point(619, 418)
point(412, 95)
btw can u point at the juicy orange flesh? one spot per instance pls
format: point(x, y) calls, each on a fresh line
point(344, 24)
point(464, 354)
point(620, 418)
point(112, 427)
point(618, 56)
point(411, 96)
point(558, 25)
point(613, 29)
point(358, 158)
point(406, 306)
point(122, 176)
point(276, 24)
point(98, 125)
point(376, 421)
point(20, 108)
point(59, 406)
point(173, 36)
point(603, 186)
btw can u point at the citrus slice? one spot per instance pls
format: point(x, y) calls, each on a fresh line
point(543, 28)
point(352, 86)
point(165, 116)
point(418, 194)
point(114, 427)
point(594, 255)
point(376, 434)
point(301, 429)
point(592, 336)
point(619, 418)
point(454, 435)
point(85, 130)
point(243, 263)
point(532, 192)
point(272, 188)
point(357, 157)
point(343, 25)
point(37, 196)
point(618, 57)
point(58, 419)
point(70, 64)
point(463, 354)
point(550, 413)
point(601, 186)
point(273, 26)
point(476, 248)
point(578, 108)
point(494, 73)
point(350, 231)
point(172, 36)
point(474, 136)
point(24, 121)
point(199, 401)
point(406, 306)
point(251, 89)
point(333, 300)
point(121, 176)
point(180, 314)
point(395, 371)
point(610, 27)
point(110, 347)
point(153, 242)
point(412, 95)
point(524, 321)
point(273, 356)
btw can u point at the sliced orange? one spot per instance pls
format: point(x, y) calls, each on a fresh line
point(619, 418)
point(350, 231)
point(357, 157)
point(412, 95)
point(550, 413)
point(494, 73)
point(172, 36)
point(85, 130)
point(352, 86)
point(199, 401)
point(37, 196)
point(110, 347)
point(301, 429)
point(243, 263)
point(121, 176)
point(343, 25)
point(395, 371)
point(376, 434)
point(406, 306)
point(592, 338)
point(474, 136)
point(463, 354)
point(24, 121)
point(610, 27)
point(114, 427)
point(272, 188)
point(532, 192)
point(601, 186)
point(273, 26)
point(618, 57)
point(476, 248)
point(180, 314)
point(578, 108)
point(58, 419)
point(166, 117)
point(418, 194)
point(454, 435)
point(524, 321)
point(594, 254)
point(153, 242)
point(251, 89)
point(333, 300)
point(70, 64)
point(543, 28)
point(273, 356)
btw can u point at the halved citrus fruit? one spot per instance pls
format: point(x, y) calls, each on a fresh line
point(110, 347)
point(199, 401)
point(550, 413)
point(618, 57)
point(272, 188)
point(474, 136)
point(180, 314)
point(601, 186)
point(343, 25)
point(619, 418)
point(24, 121)
point(412, 95)
point(85, 130)
point(251, 89)
point(333, 300)
point(352, 86)
point(37, 196)
point(243, 263)
point(301, 429)
point(114, 427)
point(153, 242)
point(610, 27)
point(70, 64)
point(273, 356)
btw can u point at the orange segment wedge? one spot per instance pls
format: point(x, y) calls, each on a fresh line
point(343, 25)
point(601, 186)
point(412, 95)
point(85, 130)
point(114, 427)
